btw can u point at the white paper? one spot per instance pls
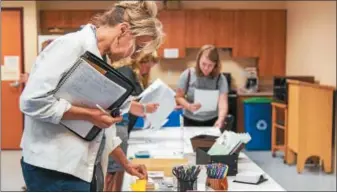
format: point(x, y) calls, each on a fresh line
point(155, 174)
point(207, 98)
point(11, 68)
point(171, 53)
point(86, 87)
point(158, 92)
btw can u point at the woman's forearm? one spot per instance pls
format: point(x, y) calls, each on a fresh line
point(223, 107)
point(77, 113)
point(120, 156)
point(183, 102)
point(136, 108)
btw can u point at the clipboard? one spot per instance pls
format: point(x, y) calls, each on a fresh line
point(105, 70)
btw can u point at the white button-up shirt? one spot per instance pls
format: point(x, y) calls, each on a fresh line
point(46, 143)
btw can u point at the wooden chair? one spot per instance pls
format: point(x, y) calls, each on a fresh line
point(276, 126)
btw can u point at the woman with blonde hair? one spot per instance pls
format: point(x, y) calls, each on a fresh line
point(204, 76)
point(138, 72)
point(55, 159)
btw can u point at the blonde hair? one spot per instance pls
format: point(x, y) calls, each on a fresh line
point(141, 15)
point(212, 55)
point(135, 65)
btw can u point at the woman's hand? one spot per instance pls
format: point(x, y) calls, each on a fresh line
point(136, 170)
point(194, 107)
point(24, 78)
point(102, 120)
point(219, 123)
point(151, 107)
point(138, 110)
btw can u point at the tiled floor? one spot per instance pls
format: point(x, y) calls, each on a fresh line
point(312, 179)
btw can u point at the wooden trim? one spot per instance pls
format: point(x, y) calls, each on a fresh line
point(289, 81)
point(279, 105)
point(21, 10)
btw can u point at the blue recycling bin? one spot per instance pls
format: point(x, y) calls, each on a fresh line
point(257, 121)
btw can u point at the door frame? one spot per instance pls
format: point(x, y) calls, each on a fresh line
point(22, 65)
point(20, 9)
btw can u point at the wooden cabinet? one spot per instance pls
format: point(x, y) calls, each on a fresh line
point(247, 41)
point(66, 19)
point(310, 123)
point(199, 28)
point(273, 43)
point(223, 25)
point(174, 27)
point(55, 18)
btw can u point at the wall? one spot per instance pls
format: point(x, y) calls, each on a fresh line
point(311, 40)
point(185, 4)
point(169, 70)
point(31, 9)
point(30, 29)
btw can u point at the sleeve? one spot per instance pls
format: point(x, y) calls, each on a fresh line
point(223, 85)
point(37, 99)
point(183, 80)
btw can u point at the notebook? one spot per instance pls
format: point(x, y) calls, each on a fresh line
point(250, 177)
point(89, 82)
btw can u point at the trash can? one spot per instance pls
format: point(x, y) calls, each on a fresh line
point(257, 121)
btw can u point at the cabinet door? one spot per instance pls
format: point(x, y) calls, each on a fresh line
point(199, 28)
point(223, 21)
point(52, 19)
point(247, 33)
point(174, 27)
point(273, 43)
point(81, 17)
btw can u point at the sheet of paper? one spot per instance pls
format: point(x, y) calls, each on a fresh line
point(11, 68)
point(158, 92)
point(86, 87)
point(207, 98)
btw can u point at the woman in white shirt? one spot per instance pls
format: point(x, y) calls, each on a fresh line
point(55, 159)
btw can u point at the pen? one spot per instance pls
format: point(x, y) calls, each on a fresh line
point(104, 111)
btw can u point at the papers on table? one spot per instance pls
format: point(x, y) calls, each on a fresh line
point(228, 143)
point(207, 98)
point(158, 92)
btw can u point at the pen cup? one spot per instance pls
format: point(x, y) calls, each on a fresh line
point(217, 184)
point(184, 186)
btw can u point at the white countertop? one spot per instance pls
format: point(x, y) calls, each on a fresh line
point(176, 144)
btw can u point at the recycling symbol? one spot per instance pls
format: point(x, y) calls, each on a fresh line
point(261, 125)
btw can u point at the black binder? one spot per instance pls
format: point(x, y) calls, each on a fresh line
point(109, 72)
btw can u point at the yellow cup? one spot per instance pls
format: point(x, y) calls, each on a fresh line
point(139, 186)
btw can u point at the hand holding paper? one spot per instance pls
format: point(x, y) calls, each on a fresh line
point(158, 92)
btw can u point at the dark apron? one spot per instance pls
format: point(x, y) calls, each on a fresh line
point(97, 183)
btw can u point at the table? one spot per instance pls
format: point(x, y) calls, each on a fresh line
point(176, 143)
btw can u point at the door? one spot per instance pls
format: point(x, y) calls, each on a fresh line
point(11, 66)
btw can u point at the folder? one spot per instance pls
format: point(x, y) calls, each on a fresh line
point(92, 81)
